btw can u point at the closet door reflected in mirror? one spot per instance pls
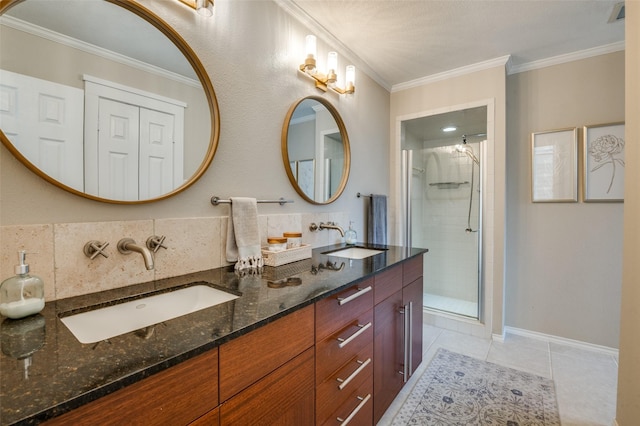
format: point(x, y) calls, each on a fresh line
point(315, 150)
point(60, 65)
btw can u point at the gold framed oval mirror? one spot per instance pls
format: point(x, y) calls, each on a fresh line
point(315, 150)
point(122, 113)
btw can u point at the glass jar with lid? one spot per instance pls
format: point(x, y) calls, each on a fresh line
point(277, 244)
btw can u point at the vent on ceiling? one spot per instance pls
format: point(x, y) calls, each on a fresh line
point(617, 14)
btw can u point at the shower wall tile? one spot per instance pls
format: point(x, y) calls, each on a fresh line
point(37, 241)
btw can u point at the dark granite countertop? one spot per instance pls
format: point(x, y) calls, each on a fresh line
point(45, 371)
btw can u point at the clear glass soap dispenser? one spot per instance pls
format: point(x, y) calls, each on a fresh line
point(23, 294)
point(350, 236)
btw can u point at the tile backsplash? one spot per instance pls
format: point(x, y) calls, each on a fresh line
point(55, 251)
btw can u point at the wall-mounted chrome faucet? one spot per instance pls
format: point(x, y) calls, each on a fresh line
point(329, 225)
point(128, 245)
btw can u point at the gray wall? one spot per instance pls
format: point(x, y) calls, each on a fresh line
point(564, 260)
point(251, 51)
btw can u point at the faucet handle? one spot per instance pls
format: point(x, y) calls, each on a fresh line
point(154, 243)
point(94, 248)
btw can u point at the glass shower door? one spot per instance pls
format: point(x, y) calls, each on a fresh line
point(442, 196)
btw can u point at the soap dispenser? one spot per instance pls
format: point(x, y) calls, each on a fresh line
point(23, 294)
point(350, 236)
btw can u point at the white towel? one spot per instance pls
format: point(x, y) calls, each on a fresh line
point(243, 236)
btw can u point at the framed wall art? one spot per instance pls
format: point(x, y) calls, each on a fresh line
point(554, 166)
point(306, 170)
point(604, 162)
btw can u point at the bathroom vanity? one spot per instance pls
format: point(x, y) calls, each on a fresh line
point(310, 342)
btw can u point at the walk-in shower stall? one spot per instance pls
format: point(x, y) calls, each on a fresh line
point(442, 191)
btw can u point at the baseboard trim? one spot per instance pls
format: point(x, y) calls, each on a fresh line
point(560, 340)
point(498, 338)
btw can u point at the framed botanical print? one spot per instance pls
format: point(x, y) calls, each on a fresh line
point(604, 162)
point(554, 166)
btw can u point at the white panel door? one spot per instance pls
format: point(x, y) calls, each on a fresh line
point(157, 131)
point(157, 144)
point(118, 150)
point(44, 121)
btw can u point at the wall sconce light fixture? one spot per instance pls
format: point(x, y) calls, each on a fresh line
point(326, 80)
point(203, 7)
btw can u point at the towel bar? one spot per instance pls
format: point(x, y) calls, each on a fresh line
point(362, 195)
point(216, 200)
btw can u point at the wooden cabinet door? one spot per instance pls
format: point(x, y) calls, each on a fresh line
point(387, 353)
point(412, 297)
point(175, 396)
point(212, 418)
point(284, 397)
point(245, 360)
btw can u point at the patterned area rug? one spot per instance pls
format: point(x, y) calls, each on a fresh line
point(459, 390)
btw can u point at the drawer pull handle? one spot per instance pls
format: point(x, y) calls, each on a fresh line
point(361, 291)
point(345, 342)
point(363, 401)
point(345, 382)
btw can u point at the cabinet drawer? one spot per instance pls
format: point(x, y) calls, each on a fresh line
point(357, 410)
point(284, 397)
point(411, 270)
point(177, 395)
point(246, 359)
point(336, 311)
point(334, 391)
point(341, 346)
point(387, 283)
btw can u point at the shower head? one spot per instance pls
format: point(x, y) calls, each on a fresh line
point(468, 151)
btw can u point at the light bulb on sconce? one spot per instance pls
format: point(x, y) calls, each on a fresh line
point(309, 65)
point(350, 79)
point(332, 65)
point(324, 81)
point(202, 7)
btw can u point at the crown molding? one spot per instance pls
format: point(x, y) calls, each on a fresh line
point(74, 43)
point(569, 57)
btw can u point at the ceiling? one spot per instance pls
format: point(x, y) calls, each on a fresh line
point(470, 124)
point(397, 42)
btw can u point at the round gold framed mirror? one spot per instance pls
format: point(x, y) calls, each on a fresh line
point(122, 114)
point(315, 150)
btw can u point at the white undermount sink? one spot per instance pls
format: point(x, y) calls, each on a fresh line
point(104, 323)
point(354, 252)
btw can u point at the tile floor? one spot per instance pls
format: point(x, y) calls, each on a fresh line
point(450, 304)
point(585, 380)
